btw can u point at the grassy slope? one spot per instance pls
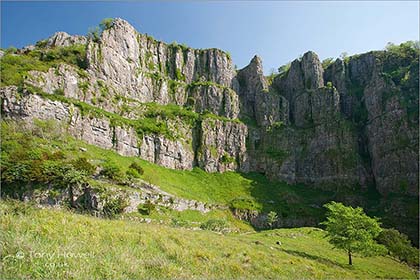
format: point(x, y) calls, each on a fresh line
point(127, 249)
point(215, 188)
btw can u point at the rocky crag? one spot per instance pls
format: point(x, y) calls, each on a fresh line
point(352, 123)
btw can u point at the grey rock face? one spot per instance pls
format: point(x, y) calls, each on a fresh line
point(257, 102)
point(218, 100)
point(357, 129)
point(303, 76)
point(251, 83)
point(175, 154)
point(96, 131)
point(338, 76)
point(62, 39)
point(392, 141)
point(139, 67)
point(312, 71)
point(222, 145)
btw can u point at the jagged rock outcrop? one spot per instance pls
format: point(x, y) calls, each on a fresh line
point(62, 39)
point(139, 67)
point(353, 123)
point(257, 102)
point(338, 76)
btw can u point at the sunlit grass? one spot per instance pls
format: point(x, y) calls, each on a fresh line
point(56, 244)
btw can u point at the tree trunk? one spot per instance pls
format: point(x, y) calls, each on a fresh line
point(350, 261)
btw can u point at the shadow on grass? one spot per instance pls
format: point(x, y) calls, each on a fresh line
point(316, 258)
point(290, 202)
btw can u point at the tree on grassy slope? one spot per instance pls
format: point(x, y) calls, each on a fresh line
point(351, 229)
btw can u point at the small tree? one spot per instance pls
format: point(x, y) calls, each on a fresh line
point(106, 23)
point(351, 229)
point(271, 218)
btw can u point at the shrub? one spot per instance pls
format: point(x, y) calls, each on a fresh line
point(114, 206)
point(215, 225)
point(226, 159)
point(136, 166)
point(59, 91)
point(399, 246)
point(106, 23)
point(82, 164)
point(284, 68)
point(179, 223)
point(146, 208)
point(132, 173)
point(112, 171)
point(327, 62)
point(271, 218)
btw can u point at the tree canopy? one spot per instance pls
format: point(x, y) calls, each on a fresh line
point(351, 229)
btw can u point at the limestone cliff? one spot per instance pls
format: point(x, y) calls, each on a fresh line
point(352, 124)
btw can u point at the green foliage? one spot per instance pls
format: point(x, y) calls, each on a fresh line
point(244, 204)
point(132, 174)
point(14, 68)
point(136, 166)
point(112, 171)
point(114, 206)
point(215, 225)
point(146, 208)
point(59, 91)
point(25, 164)
point(106, 23)
point(403, 47)
point(351, 229)
point(271, 218)
point(82, 164)
point(329, 85)
point(276, 153)
point(178, 75)
point(399, 246)
point(226, 159)
point(344, 56)
point(327, 62)
point(94, 34)
point(134, 170)
point(284, 68)
point(84, 86)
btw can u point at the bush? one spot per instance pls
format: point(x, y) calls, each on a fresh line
point(226, 159)
point(399, 246)
point(132, 173)
point(59, 91)
point(146, 208)
point(112, 171)
point(136, 166)
point(114, 206)
point(106, 23)
point(215, 225)
point(82, 164)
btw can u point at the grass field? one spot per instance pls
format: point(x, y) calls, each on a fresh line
point(52, 244)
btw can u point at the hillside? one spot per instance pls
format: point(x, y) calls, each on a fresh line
point(177, 158)
point(60, 244)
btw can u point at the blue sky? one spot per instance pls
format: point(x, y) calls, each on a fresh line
point(278, 31)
